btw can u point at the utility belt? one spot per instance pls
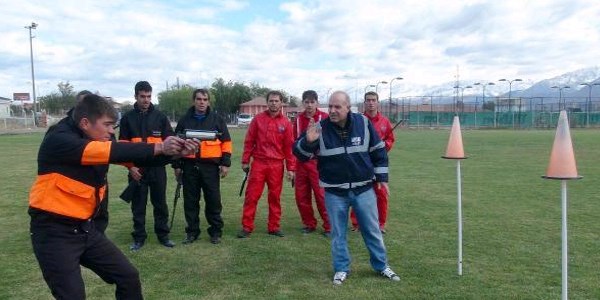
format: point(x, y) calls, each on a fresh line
point(202, 161)
point(42, 219)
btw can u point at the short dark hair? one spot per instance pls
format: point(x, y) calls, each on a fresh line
point(276, 93)
point(371, 93)
point(82, 94)
point(93, 107)
point(142, 86)
point(310, 94)
point(201, 91)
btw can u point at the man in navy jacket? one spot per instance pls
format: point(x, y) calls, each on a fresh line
point(351, 158)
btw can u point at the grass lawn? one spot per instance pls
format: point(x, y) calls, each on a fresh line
point(511, 230)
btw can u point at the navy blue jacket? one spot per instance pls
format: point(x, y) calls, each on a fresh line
point(350, 164)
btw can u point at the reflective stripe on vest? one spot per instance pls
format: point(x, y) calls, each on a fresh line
point(64, 196)
point(96, 153)
point(212, 149)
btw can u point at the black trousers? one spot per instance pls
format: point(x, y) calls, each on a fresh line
point(154, 180)
point(198, 178)
point(61, 248)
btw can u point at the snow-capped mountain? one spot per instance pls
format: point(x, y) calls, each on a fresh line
point(525, 88)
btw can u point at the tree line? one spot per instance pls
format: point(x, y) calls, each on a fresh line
point(226, 97)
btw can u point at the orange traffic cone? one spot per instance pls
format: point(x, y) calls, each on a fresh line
point(455, 150)
point(562, 159)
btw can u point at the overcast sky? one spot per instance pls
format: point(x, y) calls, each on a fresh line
point(107, 46)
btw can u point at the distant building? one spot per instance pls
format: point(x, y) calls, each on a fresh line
point(5, 107)
point(259, 104)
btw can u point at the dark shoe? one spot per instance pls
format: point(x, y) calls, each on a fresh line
point(355, 228)
point(167, 243)
point(307, 230)
point(190, 238)
point(243, 234)
point(215, 240)
point(278, 233)
point(136, 246)
point(382, 229)
point(327, 234)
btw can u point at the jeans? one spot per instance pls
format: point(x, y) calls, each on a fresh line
point(365, 206)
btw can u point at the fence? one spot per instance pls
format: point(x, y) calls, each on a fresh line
point(491, 112)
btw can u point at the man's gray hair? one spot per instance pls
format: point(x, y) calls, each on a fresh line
point(346, 97)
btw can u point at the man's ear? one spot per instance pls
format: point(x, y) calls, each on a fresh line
point(84, 123)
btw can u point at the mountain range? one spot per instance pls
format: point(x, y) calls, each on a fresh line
point(525, 88)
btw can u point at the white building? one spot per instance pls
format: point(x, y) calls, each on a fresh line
point(4, 107)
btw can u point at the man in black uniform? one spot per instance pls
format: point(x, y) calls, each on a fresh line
point(66, 197)
point(146, 124)
point(202, 171)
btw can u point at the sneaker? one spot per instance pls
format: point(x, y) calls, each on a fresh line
point(278, 233)
point(215, 240)
point(355, 228)
point(339, 278)
point(307, 230)
point(167, 243)
point(243, 234)
point(388, 273)
point(382, 229)
point(190, 238)
point(326, 234)
point(136, 246)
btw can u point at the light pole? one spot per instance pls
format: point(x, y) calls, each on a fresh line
point(462, 92)
point(560, 88)
point(390, 102)
point(368, 86)
point(509, 96)
point(377, 86)
point(482, 96)
point(327, 98)
point(30, 27)
point(589, 104)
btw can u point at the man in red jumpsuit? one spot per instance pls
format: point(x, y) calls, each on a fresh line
point(269, 143)
point(307, 175)
point(384, 128)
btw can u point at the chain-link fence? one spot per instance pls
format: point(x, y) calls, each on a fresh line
point(491, 112)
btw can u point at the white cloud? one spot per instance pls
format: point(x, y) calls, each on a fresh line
point(108, 46)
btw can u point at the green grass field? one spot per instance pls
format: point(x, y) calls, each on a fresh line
point(511, 230)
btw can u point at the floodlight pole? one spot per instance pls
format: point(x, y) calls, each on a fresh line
point(589, 102)
point(30, 27)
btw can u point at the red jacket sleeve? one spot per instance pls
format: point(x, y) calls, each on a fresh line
point(290, 159)
point(388, 138)
point(250, 140)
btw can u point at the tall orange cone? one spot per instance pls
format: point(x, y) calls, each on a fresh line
point(562, 159)
point(455, 150)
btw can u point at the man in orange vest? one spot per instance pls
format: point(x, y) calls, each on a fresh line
point(201, 171)
point(307, 175)
point(384, 128)
point(66, 198)
point(269, 143)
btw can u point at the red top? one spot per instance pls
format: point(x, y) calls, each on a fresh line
point(302, 121)
point(384, 129)
point(270, 138)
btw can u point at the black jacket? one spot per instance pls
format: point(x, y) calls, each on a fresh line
point(217, 152)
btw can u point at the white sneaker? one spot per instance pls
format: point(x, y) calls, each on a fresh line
point(388, 273)
point(339, 278)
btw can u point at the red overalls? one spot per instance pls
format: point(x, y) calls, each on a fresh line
point(384, 128)
point(307, 181)
point(269, 142)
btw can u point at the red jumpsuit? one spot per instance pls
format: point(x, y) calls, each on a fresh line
point(269, 142)
point(384, 129)
point(307, 180)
